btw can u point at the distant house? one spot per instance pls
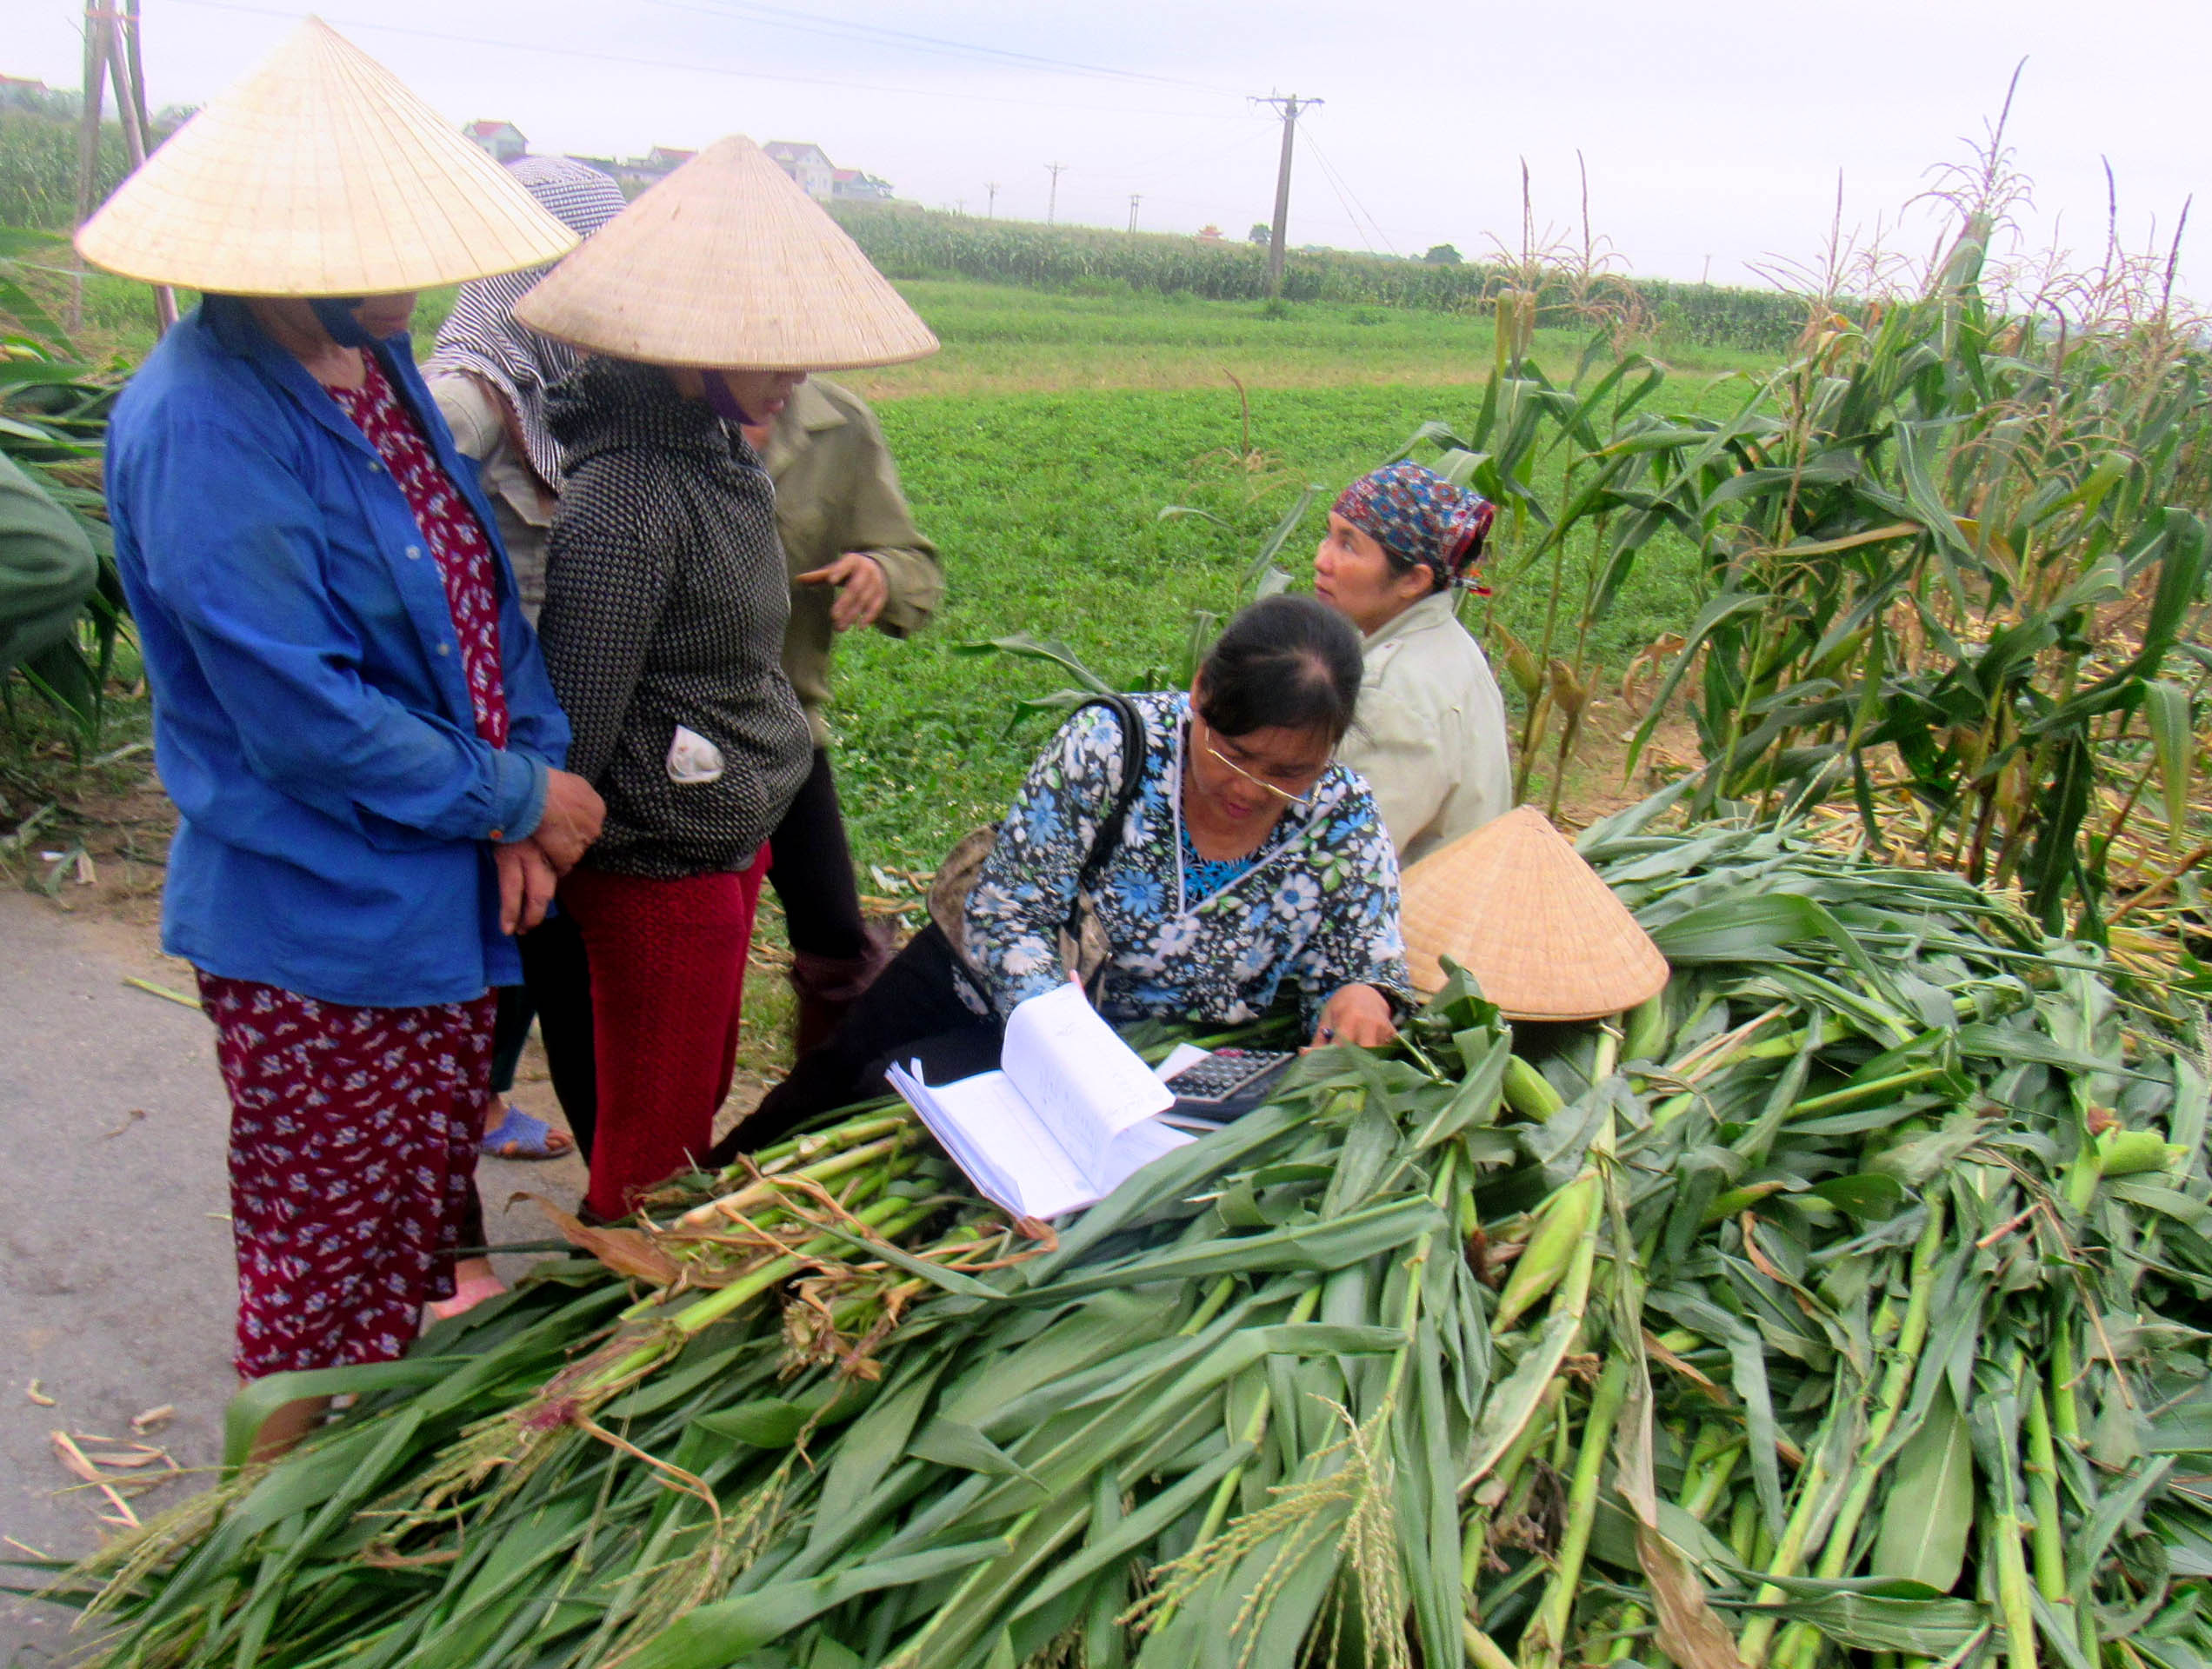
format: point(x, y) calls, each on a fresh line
point(503, 141)
point(807, 163)
point(642, 173)
point(23, 93)
point(850, 185)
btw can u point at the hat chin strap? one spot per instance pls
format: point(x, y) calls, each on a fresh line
point(335, 313)
point(720, 400)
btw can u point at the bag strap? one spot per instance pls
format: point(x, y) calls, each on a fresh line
point(1107, 840)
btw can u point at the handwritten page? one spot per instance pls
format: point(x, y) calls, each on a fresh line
point(1067, 1120)
point(1075, 1071)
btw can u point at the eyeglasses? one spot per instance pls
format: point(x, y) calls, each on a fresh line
point(1301, 800)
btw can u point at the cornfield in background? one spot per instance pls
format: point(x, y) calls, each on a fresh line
point(1954, 556)
point(909, 242)
point(53, 424)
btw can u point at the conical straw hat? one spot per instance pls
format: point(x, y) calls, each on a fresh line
point(727, 264)
point(1516, 905)
point(319, 175)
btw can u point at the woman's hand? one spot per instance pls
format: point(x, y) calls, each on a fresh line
point(526, 884)
point(1357, 1014)
point(862, 589)
point(573, 813)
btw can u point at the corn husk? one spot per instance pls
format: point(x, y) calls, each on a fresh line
point(1870, 1339)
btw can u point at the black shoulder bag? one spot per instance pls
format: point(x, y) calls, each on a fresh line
point(1084, 948)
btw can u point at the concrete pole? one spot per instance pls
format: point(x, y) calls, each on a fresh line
point(125, 68)
point(1289, 107)
point(99, 38)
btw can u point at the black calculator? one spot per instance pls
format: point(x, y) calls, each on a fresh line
point(1228, 1075)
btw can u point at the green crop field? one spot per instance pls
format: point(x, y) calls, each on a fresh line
point(1038, 448)
point(1046, 507)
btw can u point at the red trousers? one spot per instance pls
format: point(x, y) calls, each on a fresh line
point(668, 982)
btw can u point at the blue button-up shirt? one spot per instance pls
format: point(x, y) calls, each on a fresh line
point(311, 710)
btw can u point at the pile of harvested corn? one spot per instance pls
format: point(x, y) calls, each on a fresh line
point(1844, 1302)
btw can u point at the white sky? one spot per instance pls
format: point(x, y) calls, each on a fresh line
point(1711, 133)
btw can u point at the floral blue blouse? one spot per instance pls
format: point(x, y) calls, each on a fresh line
point(1317, 907)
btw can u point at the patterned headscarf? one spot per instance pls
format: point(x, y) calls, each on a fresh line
point(1418, 516)
point(480, 335)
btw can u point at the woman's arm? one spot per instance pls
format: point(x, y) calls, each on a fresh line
point(1357, 947)
point(1028, 884)
point(240, 570)
point(879, 525)
point(608, 563)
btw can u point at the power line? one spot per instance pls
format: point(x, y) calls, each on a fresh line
point(1343, 187)
point(852, 28)
point(591, 56)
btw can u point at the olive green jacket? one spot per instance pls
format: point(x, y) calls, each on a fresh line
point(837, 490)
point(47, 567)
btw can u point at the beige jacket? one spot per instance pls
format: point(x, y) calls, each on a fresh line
point(837, 490)
point(520, 503)
point(1429, 736)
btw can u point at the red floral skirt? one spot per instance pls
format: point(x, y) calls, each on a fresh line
point(353, 1151)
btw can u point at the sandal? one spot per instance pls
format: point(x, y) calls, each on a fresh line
point(518, 1135)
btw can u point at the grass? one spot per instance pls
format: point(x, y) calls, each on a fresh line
point(1000, 339)
point(1045, 506)
point(1037, 450)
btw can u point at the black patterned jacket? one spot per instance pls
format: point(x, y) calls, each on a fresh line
point(665, 604)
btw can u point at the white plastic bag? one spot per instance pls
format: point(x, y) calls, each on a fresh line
point(692, 758)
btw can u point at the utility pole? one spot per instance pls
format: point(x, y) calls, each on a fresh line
point(1135, 197)
point(111, 55)
point(991, 213)
point(1052, 203)
point(1289, 106)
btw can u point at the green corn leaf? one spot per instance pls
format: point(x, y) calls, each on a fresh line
point(951, 1444)
point(1928, 1514)
point(250, 1408)
point(2166, 707)
point(1883, 1616)
point(716, 1635)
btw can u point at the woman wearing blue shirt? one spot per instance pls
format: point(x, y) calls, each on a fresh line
point(350, 713)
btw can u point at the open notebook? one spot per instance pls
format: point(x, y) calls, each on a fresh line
point(1069, 1114)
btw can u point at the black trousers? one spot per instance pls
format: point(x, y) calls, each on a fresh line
point(810, 866)
point(913, 1010)
point(510, 1031)
point(557, 974)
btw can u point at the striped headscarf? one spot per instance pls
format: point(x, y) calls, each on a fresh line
point(1418, 516)
point(480, 335)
